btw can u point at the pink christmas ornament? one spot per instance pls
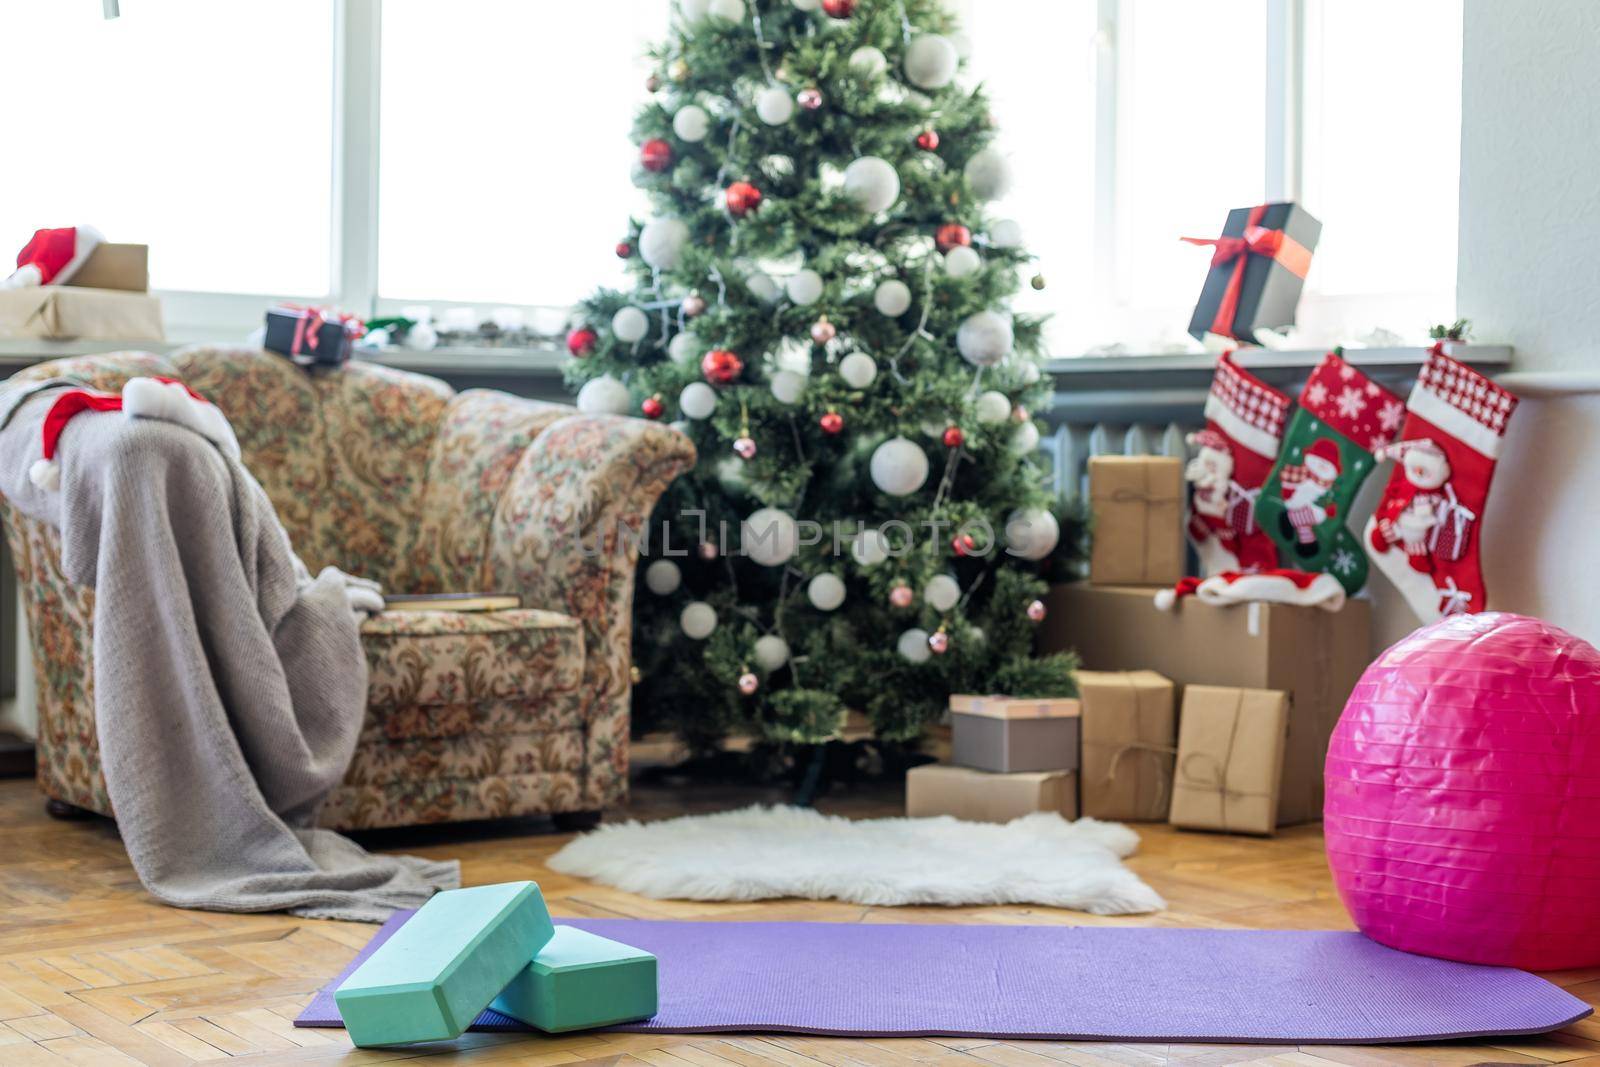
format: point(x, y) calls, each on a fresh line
point(1463, 789)
point(745, 447)
point(708, 550)
point(1036, 611)
point(748, 683)
point(939, 643)
point(900, 596)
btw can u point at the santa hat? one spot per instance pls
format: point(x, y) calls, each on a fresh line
point(1324, 449)
point(1272, 587)
point(145, 398)
point(52, 257)
point(1400, 449)
point(1208, 438)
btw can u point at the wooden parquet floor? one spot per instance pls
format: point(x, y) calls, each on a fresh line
point(93, 971)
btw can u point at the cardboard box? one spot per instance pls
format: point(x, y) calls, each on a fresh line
point(111, 266)
point(1129, 725)
point(1010, 734)
point(1138, 520)
point(1314, 656)
point(1230, 759)
point(1272, 271)
point(978, 796)
point(70, 313)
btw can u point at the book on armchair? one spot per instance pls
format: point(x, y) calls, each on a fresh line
point(452, 602)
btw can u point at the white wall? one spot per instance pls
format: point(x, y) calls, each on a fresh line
point(1529, 275)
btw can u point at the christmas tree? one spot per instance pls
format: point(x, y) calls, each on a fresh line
point(820, 302)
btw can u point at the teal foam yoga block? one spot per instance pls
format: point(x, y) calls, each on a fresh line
point(580, 980)
point(432, 978)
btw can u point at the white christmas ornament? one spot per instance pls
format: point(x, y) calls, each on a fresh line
point(698, 400)
point(698, 619)
point(1028, 372)
point(872, 183)
point(931, 61)
point(868, 548)
point(683, 348)
point(805, 287)
point(727, 10)
point(772, 652)
point(942, 592)
point(730, 475)
point(989, 174)
point(1006, 233)
point(899, 467)
point(663, 577)
point(630, 324)
point(774, 105)
point(984, 338)
point(913, 646)
point(806, 5)
point(868, 62)
point(661, 242)
point(826, 592)
point(961, 261)
point(762, 287)
point(788, 386)
point(693, 10)
point(604, 396)
point(892, 298)
point(691, 123)
point(1032, 533)
point(992, 407)
point(963, 44)
point(858, 370)
point(770, 537)
point(1026, 439)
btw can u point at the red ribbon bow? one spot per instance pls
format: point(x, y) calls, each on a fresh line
point(1257, 240)
point(310, 323)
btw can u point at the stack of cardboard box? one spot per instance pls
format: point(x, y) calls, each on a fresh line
point(108, 299)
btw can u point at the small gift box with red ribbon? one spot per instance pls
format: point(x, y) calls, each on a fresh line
point(1258, 268)
point(311, 335)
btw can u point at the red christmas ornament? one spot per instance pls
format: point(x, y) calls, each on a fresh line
point(950, 235)
point(839, 9)
point(742, 198)
point(624, 250)
point(831, 423)
point(953, 437)
point(652, 407)
point(721, 366)
point(928, 140)
point(745, 447)
point(581, 341)
point(962, 544)
point(1036, 611)
point(939, 643)
point(655, 155)
point(809, 98)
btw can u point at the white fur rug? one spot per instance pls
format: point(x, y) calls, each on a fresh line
point(760, 853)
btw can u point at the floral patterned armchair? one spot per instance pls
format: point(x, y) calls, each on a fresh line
point(396, 477)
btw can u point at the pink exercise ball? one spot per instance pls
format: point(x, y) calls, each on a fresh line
point(1463, 795)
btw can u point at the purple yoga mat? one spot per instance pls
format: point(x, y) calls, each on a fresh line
point(1056, 982)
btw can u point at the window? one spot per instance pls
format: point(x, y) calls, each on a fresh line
point(505, 153)
point(202, 128)
point(502, 166)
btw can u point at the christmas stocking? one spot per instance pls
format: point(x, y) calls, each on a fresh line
point(52, 257)
point(1424, 534)
point(1244, 424)
point(1344, 417)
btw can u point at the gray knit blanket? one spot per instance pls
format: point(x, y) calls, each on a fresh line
point(230, 684)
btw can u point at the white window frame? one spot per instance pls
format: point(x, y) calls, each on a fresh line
point(353, 239)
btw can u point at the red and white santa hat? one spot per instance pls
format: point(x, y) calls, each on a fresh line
point(1305, 588)
point(52, 257)
point(1400, 449)
point(1324, 449)
point(146, 398)
point(1208, 438)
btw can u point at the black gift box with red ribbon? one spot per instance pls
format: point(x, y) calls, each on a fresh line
point(1258, 268)
point(311, 335)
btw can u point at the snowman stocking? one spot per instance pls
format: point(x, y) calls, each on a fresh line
point(1344, 417)
point(1244, 425)
point(1424, 534)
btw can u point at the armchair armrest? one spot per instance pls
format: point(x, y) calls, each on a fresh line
point(565, 536)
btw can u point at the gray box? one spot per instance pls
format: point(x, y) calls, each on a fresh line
point(1007, 735)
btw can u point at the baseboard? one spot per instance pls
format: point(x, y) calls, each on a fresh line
point(16, 757)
